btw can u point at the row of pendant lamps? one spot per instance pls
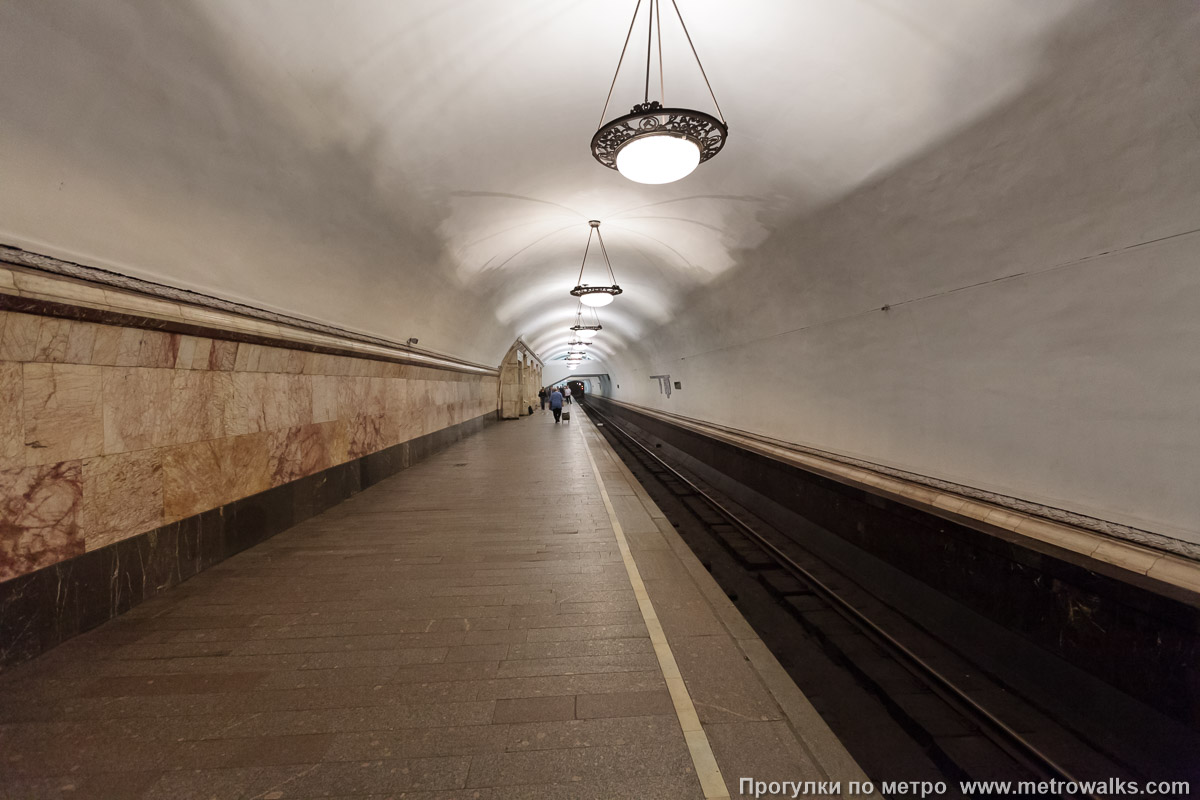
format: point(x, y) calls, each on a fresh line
point(652, 144)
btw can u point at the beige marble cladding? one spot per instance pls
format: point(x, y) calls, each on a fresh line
point(107, 432)
point(39, 517)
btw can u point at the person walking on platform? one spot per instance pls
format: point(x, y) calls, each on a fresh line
point(567, 395)
point(556, 401)
point(542, 397)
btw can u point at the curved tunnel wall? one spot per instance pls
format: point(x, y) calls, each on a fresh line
point(1039, 273)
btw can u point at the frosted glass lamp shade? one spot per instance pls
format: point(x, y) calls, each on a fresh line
point(596, 299)
point(658, 158)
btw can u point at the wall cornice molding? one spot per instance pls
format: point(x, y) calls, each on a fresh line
point(38, 284)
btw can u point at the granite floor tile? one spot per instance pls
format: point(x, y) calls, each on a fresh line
point(648, 788)
point(580, 665)
point(548, 685)
point(580, 648)
point(569, 765)
point(77, 786)
point(342, 720)
point(591, 733)
point(534, 709)
point(418, 743)
point(624, 704)
point(637, 629)
point(249, 752)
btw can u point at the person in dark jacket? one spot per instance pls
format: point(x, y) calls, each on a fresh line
point(556, 400)
point(542, 396)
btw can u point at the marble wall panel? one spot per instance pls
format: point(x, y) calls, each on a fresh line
point(122, 496)
point(65, 341)
point(196, 410)
point(337, 441)
point(187, 352)
point(159, 349)
point(107, 345)
point(299, 451)
point(63, 412)
point(222, 354)
point(366, 434)
point(201, 475)
point(18, 340)
point(245, 411)
point(12, 418)
point(135, 405)
point(351, 396)
point(324, 398)
point(418, 397)
point(129, 347)
point(288, 401)
point(39, 517)
point(201, 356)
point(123, 430)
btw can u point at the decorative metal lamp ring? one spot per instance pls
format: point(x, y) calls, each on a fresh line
point(583, 289)
point(650, 119)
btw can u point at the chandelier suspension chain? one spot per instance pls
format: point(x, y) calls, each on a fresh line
point(607, 263)
point(649, 45)
point(586, 247)
point(662, 91)
point(703, 74)
point(604, 250)
point(620, 60)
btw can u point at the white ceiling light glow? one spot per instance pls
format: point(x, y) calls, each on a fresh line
point(659, 158)
point(596, 296)
point(654, 143)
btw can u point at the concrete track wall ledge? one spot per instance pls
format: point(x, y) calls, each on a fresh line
point(1098, 539)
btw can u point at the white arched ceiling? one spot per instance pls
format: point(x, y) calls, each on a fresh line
point(400, 167)
point(1014, 180)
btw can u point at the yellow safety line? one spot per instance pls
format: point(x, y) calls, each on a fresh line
point(711, 781)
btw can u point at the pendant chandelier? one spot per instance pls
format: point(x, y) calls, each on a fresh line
point(596, 296)
point(580, 330)
point(655, 143)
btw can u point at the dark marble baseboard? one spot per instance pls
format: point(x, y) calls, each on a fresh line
point(45, 608)
point(1130, 632)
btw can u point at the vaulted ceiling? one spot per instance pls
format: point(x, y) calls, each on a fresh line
point(410, 168)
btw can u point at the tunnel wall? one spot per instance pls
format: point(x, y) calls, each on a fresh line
point(1013, 310)
point(131, 436)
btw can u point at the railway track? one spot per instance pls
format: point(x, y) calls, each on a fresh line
point(966, 725)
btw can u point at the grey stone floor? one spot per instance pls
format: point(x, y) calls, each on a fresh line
point(466, 629)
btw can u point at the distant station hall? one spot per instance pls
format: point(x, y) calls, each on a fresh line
point(623, 400)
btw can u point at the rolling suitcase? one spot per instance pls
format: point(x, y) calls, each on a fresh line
point(566, 416)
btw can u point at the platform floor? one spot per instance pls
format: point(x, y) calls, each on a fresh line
point(502, 620)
